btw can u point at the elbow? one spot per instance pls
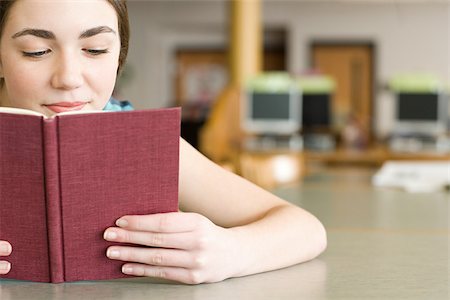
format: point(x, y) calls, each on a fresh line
point(314, 238)
point(321, 238)
point(317, 238)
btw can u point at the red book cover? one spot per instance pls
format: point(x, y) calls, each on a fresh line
point(66, 179)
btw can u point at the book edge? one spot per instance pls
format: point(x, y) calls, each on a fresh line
point(29, 112)
point(21, 111)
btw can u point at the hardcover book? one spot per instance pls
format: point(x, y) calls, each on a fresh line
point(65, 179)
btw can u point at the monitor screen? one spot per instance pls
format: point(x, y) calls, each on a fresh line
point(418, 107)
point(270, 106)
point(316, 110)
point(272, 113)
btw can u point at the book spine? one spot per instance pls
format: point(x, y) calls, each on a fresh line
point(53, 200)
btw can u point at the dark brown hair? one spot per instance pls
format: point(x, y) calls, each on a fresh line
point(120, 6)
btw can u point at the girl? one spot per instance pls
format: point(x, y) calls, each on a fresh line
point(65, 55)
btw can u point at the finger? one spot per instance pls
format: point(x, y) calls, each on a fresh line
point(155, 257)
point(4, 267)
point(182, 240)
point(164, 222)
point(183, 275)
point(5, 248)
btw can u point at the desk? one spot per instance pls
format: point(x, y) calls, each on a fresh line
point(375, 156)
point(382, 244)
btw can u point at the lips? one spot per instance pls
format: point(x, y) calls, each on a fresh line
point(66, 106)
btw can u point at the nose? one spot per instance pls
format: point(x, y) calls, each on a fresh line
point(67, 73)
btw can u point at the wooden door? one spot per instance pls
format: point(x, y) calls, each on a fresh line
point(351, 66)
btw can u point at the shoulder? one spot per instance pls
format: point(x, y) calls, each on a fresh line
point(116, 105)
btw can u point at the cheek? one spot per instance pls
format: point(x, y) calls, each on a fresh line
point(102, 82)
point(23, 85)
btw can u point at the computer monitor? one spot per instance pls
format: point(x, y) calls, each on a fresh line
point(421, 113)
point(316, 111)
point(272, 113)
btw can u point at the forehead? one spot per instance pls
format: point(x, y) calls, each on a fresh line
point(61, 15)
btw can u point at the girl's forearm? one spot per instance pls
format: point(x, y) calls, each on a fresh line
point(286, 235)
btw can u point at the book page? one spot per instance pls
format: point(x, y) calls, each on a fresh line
point(79, 112)
point(22, 111)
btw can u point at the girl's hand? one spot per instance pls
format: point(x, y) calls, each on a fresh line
point(185, 247)
point(5, 250)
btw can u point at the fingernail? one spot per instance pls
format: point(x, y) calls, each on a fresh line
point(110, 235)
point(136, 271)
point(122, 223)
point(113, 253)
point(5, 266)
point(5, 248)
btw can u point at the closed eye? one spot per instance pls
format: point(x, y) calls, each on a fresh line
point(96, 51)
point(36, 53)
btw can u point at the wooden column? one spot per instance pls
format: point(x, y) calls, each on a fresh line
point(245, 40)
point(221, 136)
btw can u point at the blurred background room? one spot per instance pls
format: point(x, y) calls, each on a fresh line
point(275, 89)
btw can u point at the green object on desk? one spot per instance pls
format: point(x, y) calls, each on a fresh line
point(271, 82)
point(316, 84)
point(416, 83)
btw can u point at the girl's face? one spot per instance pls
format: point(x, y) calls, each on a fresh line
point(59, 55)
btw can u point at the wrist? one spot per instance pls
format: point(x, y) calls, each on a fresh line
point(239, 256)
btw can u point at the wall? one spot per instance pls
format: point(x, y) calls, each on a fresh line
point(409, 36)
point(157, 29)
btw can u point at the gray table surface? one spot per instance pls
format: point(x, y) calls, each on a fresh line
point(382, 244)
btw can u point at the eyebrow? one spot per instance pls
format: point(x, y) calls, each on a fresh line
point(45, 34)
point(95, 31)
point(48, 35)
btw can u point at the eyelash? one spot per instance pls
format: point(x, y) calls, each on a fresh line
point(96, 51)
point(35, 54)
point(39, 54)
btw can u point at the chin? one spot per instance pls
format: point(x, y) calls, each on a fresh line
point(91, 107)
point(44, 110)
